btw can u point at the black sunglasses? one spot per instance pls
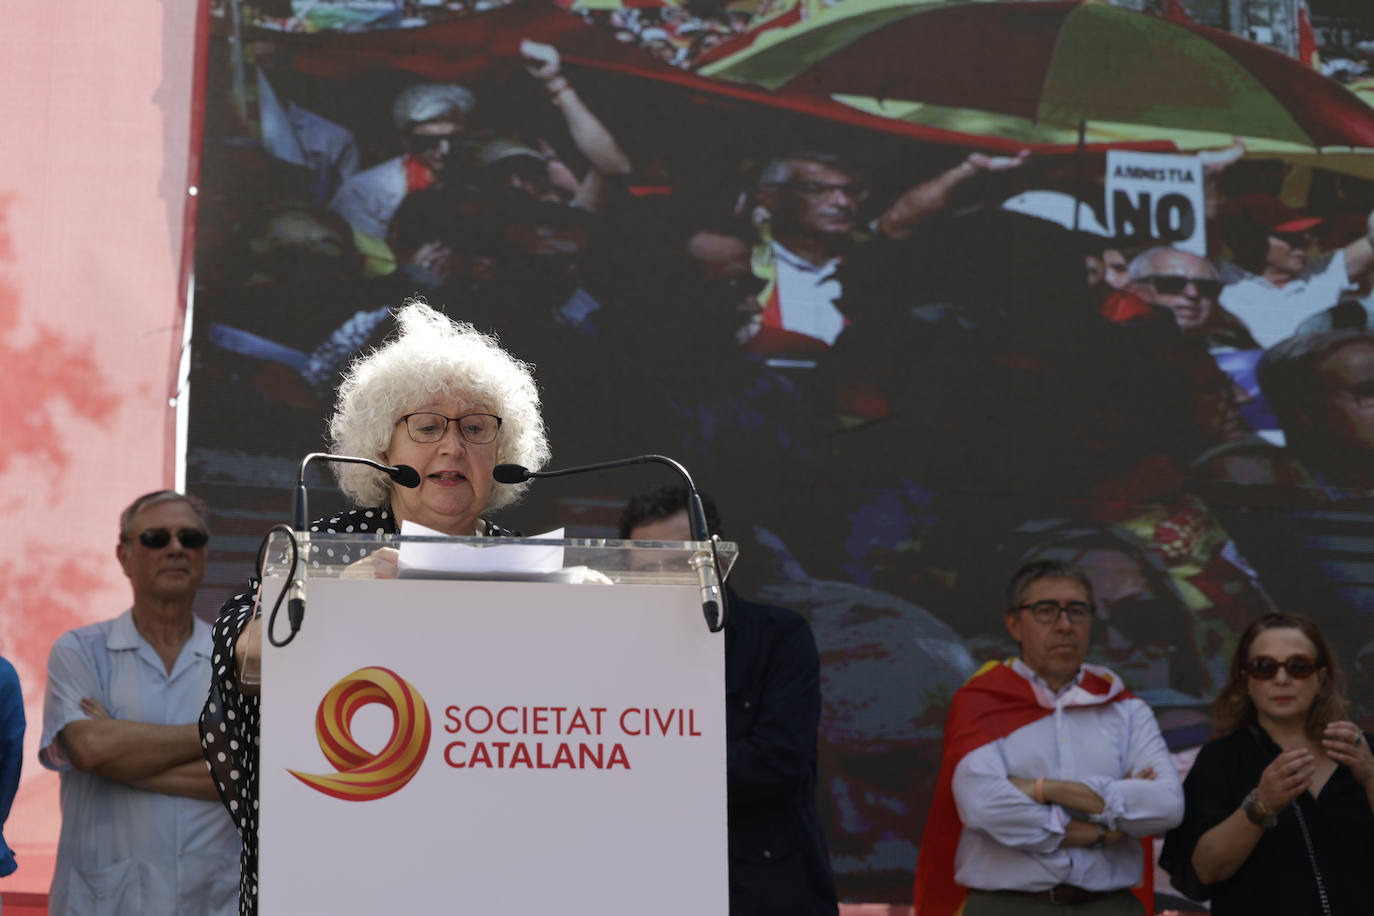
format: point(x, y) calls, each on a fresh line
point(1173, 285)
point(1264, 668)
point(158, 538)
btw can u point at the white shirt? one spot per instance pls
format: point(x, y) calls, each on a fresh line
point(1009, 842)
point(1274, 312)
point(124, 850)
point(806, 296)
point(369, 199)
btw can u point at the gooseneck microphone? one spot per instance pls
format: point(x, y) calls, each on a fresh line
point(403, 474)
point(708, 571)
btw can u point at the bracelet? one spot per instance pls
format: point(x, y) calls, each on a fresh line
point(557, 85)
point(1260, 814)
point(1039, 790)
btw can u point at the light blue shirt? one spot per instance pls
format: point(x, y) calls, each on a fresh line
point(1010, 842)
point(125, 850)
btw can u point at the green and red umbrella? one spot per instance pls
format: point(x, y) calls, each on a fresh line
point(1058, 62)
point(486, 46)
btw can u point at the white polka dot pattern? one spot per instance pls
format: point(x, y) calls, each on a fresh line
point(234, 715)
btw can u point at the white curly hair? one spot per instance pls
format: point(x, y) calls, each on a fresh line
point(432, 356)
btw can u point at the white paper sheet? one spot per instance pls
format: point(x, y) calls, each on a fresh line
point(455, 560)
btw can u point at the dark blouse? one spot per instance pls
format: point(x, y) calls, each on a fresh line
point(1278, 876)
point(229, 723)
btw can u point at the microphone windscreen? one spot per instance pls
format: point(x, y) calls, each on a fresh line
point(405, 475)
point(510, 473)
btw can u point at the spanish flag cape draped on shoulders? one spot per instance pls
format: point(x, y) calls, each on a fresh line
point(994, 703)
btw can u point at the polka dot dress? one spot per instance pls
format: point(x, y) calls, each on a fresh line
point(229, 723)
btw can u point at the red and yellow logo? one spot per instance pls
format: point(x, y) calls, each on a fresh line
point(364, 776)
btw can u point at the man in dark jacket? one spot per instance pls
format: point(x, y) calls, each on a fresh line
point(778, 858)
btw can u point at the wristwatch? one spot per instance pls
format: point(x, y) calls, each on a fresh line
point(1101, 837)
point(1258, 812)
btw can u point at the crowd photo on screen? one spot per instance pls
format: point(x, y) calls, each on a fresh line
point(908, 350)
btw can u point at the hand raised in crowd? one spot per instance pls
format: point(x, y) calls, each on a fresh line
point(935, 194)
point(1347, 745)
point(541, 60)
point(1286, 778)
point(382, 563)
point(1216, 161)
point(982, 162)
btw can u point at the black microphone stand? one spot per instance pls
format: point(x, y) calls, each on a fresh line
point(403, 474)
point(707, 565)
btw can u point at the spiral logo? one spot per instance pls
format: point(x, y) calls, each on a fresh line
point(364, 776)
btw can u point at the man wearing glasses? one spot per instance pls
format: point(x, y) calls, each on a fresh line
point(810, 209)
point(1270, 240)
point(1188, 287)
point(432, 121)
point(1051, 768)
point(142, 827)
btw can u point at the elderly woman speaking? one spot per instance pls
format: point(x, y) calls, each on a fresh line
point(440, 397)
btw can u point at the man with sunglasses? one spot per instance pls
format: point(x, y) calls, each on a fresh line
point(1284, 286)
point(1051, 768)
point(1188, 287)
point(431, 119)
point(142, 827)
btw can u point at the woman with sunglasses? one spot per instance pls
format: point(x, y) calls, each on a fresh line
point(440, 397)
point(1280, 806)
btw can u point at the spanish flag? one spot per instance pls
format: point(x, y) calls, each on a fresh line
point(1307, 39)
point(995, 702)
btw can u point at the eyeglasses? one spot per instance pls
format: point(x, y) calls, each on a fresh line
point(475, 428)
point(1173, 285)
point(817, 189)
point(1264, 668)
point(1048, 611)
point(158, 538)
